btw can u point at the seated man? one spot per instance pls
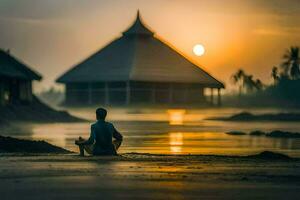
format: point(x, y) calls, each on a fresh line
point(101, 138)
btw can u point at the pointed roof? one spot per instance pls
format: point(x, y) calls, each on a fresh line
point(138, 28)
point(13, 68)
point(135, 58)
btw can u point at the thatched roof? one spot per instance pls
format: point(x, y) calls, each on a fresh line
point(13, 68)
point(138, 56)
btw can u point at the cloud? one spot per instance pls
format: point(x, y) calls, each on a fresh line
point(278, 7)
point(16, 20)
point(47, 9)
point(287, 31)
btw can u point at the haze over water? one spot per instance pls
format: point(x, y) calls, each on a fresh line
point(177, 131)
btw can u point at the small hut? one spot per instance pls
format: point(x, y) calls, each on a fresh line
point(137, 68)
point(15, 80)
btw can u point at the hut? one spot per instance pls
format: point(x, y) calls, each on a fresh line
point(137, 68)
point(15, 80)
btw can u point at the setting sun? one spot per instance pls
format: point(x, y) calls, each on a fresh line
point(199, 50)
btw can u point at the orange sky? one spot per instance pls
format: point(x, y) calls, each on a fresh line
point(53, 35)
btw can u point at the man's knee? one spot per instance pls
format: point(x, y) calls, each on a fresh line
point(81, 150)
point(79, 141)
point(117, 143)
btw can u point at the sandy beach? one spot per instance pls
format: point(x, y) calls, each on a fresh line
point(146, 176)
point(192, 160)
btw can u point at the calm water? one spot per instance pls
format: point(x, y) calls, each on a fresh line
point(176, 131)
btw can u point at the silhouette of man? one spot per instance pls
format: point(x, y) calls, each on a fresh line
point(101, 139)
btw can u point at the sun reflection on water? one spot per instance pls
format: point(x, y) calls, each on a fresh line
point(176, 117)
point(175, 142)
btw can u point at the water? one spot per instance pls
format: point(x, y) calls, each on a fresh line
point(176, 131)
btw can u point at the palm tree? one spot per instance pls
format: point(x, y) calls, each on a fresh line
point(238, 78)
point(291, 63)
point(274, 74)
point(259, 85)
point(249, 83)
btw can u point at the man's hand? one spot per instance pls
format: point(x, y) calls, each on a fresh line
point(79, 141)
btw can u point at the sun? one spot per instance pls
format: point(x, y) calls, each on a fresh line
point(199, 50)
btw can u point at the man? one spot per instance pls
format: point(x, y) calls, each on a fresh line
point(101, 139)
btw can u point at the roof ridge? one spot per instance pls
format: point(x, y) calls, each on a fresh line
point(138, 27)
point(20, 66)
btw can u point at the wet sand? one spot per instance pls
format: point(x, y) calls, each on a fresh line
point(145, 176)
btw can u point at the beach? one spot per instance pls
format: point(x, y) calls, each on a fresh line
point(145, 176)
point(162, 157)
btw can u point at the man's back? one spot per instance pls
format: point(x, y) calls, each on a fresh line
point(101, 137)
point(103, 133)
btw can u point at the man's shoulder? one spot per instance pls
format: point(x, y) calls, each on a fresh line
point(94, 124)
point(109, 124)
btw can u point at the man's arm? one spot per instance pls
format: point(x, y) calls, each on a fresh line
point(116, 134)
point(91, 139)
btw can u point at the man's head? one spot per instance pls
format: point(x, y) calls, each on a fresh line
point(101, 114)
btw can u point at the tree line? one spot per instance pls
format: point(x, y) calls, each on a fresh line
point(289, 69)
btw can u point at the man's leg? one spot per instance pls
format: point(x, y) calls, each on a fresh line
point(81, 150)
point(89, 148)
point(117, 144)
point(81, 146)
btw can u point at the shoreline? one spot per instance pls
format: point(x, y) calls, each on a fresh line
point(250, 117)
point(132, 156)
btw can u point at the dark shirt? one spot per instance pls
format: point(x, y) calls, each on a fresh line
point(102, 133)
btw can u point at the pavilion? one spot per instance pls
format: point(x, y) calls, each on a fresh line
point(15, 80)
point(137, 68)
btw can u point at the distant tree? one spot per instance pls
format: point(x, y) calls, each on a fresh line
point(291, 64)
point(275, 74)
point(238, 78)
point(259, 85)
point(51, 96)
point(252, 85)
point(246, 82)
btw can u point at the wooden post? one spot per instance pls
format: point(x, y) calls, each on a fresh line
point(106, 93)
point(219, 97)
point(127, 93)
point(212, 96)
